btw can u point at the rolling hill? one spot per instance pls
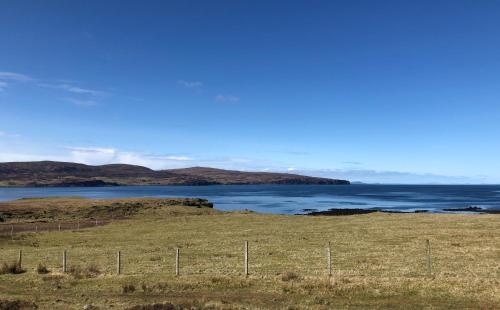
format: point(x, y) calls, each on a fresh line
point(51, 173)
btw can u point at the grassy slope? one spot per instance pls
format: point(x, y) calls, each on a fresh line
point(379, 261)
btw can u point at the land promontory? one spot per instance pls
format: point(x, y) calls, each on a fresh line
point(51, 173)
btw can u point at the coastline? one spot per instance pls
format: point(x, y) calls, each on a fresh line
point(357, 211)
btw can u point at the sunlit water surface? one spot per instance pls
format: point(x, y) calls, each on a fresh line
point(292, 199)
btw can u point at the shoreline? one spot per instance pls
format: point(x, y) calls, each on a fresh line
point(357, 211)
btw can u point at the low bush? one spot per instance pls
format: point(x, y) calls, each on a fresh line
point(128, 288)
point(13, 268)
point(166, 306)
point(290, 276)
point(79, 272)
point(42, 269)
point(16, 305)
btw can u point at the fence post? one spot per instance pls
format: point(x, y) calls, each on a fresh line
point(95, 222)
point(329, 259)
point(36, 228)
point(119, 263)
point(59, 226)
point(177, 255)
point(20, 258)
point(246, 258)
point(12, 230)
point(78, 226)
point(65, 269)
point(429, 266)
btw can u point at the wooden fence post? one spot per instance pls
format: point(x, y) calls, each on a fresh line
point(59, 226)
point(36, 228)
point(429, 266)
point(20, 258)
point(119, 263)
point(329, 259)
point(177, 256)
point(65, 269)
point(246, 258)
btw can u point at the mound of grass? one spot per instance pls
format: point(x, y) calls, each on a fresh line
point(17, 305)
point(42, 269)
point(71, 208)
point(12, 268)
point(166, 306)
point(290, 276)
point(78, 272)
point(128, 288)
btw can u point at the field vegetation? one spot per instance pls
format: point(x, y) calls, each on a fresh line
point(379, 261)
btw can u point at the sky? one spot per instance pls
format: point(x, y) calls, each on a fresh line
point(372, 91)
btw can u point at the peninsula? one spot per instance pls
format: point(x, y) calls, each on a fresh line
point(65, 174)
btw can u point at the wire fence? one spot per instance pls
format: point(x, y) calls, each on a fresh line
point(14, 228)
point(255, 259)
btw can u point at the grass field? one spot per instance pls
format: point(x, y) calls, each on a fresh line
point(379, 261)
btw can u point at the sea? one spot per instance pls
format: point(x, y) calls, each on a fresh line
point(295, 199)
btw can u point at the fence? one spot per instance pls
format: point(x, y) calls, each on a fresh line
point(187, 262)
point(13, 228)
point(259, 256)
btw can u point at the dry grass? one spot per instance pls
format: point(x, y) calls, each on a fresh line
point(71, 208)
point(42, 269)
point(12, 268)
point(379, 262)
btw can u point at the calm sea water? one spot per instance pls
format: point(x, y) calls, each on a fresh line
point(291, 199)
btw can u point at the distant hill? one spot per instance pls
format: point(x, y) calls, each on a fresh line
point(51, 173)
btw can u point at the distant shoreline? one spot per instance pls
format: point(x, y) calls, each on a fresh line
point(357, 211)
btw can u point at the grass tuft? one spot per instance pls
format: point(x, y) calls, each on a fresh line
point(17, 305)
point(12, 268)
point(290, 276)
point(128, 288)
point(79, 272)
point(42, 269)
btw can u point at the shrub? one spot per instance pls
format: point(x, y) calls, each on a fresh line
point(289, 276)
point(79, 272)
point(155, 258)
point(16, 305)
point(167, 306)
point(42, 269)
point(93, 270)
point(128, 288)
point(13, 268)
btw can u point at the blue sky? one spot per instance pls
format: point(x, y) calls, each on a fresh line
point(375, 91)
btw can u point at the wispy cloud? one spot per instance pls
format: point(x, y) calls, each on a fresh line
point(352, 163)
point(8, 77)
point(84, 96)
point(106, 155)
point(81, 102)
point(180, 158)
point(227, 98)
point(12, 76)
point(73, 89)
point(6, 134)
point(190, 84)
